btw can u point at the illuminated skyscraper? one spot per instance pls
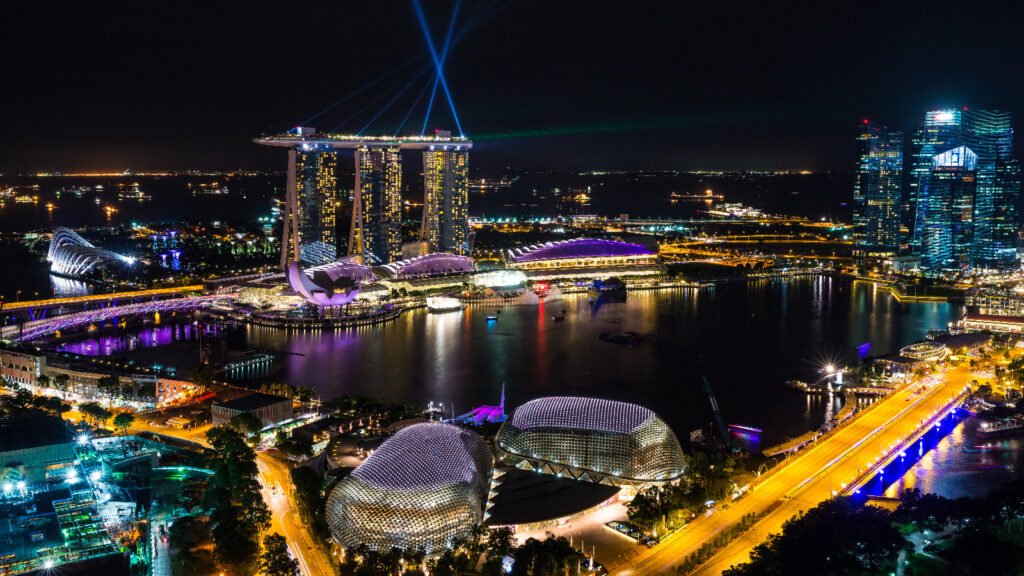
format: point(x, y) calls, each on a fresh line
point(377, 212)
point(965, 188)
point(446, 199)
point(877, 191)
point(317, 199)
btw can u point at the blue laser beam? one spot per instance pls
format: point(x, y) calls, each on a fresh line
point(393, 99)
point(358, 91)
point(415, 104)
point(437, 62)
point(444, 58)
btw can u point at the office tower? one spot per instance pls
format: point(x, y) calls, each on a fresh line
point(316, 191)
point(990, 136)
point(446, 199)
point(965, 187)
point(877, 192)
point(376, 234)
point(947, 210)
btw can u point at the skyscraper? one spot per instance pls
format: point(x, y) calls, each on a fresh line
point(965, 188)
point(990, 136)
point(316, 186)
point(877, 192)
point(376, 233)
point(445, 225)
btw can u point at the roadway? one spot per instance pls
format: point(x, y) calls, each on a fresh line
point(811, 477)
point(276, 486)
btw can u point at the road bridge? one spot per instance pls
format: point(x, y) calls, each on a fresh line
point(817, 474)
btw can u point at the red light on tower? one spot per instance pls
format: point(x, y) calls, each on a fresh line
point(965, 108)
point(864, 121)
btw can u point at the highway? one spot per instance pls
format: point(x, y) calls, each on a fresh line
point(815, 475)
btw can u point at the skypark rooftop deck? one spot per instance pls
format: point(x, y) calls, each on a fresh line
point(352, 141)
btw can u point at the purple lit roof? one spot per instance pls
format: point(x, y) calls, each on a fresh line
point(426, 455)
point(578, 248)
point(431, 265)
point(575, 413)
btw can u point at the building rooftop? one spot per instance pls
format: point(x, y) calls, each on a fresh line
point(253, 401)
point(25, 431)
point(578, 248)
point(568, 412)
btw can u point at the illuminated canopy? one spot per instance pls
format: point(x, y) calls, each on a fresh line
point(580, 251)
point(959, 157)
point(425, 487)
point(431, 265)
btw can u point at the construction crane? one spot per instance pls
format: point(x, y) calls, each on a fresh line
point(723, 431)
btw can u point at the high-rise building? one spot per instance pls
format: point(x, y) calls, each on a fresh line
point(965, 188)
point(877, 191)
point(446, 199)
point(316, 190)
point(376, 233)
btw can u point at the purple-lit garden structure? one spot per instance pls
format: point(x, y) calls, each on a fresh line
point(438, 264)
point(580, 253)
point(424, 488)
point(596, 440)
point(73, 256)
point(334, 284)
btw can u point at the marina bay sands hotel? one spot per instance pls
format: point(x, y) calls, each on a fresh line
point(312, 200)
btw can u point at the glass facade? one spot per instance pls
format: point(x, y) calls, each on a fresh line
point(592, 439)
point(377, 217)
point(877, 191)
point(424, 488)
point(446, 199)
point(316, 189)
point(965, 190)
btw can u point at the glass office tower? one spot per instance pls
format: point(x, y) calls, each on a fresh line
point(377, 215)
point(446, 199)
point(316, 190)
point(877, 192)
point(965, 187)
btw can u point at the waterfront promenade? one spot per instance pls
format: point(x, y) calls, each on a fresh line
point(816, 475)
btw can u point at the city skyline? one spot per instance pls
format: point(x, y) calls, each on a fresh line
point(539, 87)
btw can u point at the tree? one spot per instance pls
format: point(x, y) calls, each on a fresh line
point(247, 424)
point(982, 552)
point(836, 537)
point(310, 501)
point(123, 421)
point(62, 382)
point(275, 560)
point(96, 415)
point(202, 376)
point(43, 382)
point(108, 387)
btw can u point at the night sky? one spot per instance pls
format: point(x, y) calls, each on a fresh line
point(540, 84)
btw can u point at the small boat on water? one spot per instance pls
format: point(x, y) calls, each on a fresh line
point(492, 318)
point(1001, 428)
point(444, 304)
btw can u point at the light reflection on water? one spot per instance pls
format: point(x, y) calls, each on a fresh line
point(963, 465)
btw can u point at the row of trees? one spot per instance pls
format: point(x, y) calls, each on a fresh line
point(239, 517)
point(839, 537)
point(108, 388)
point(709, 477)
point(552, 556)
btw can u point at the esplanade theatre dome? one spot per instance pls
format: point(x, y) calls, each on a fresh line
point(592, 439)
point(425, 487)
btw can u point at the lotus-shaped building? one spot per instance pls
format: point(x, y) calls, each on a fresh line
point(334, 284)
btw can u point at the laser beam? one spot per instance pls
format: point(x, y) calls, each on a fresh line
point(437, 62)
point(444, 58)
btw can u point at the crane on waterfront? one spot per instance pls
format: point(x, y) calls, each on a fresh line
point(723, 430)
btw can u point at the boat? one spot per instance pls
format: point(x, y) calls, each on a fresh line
point(559, 317)
point(444, 304)
point(492, 318)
